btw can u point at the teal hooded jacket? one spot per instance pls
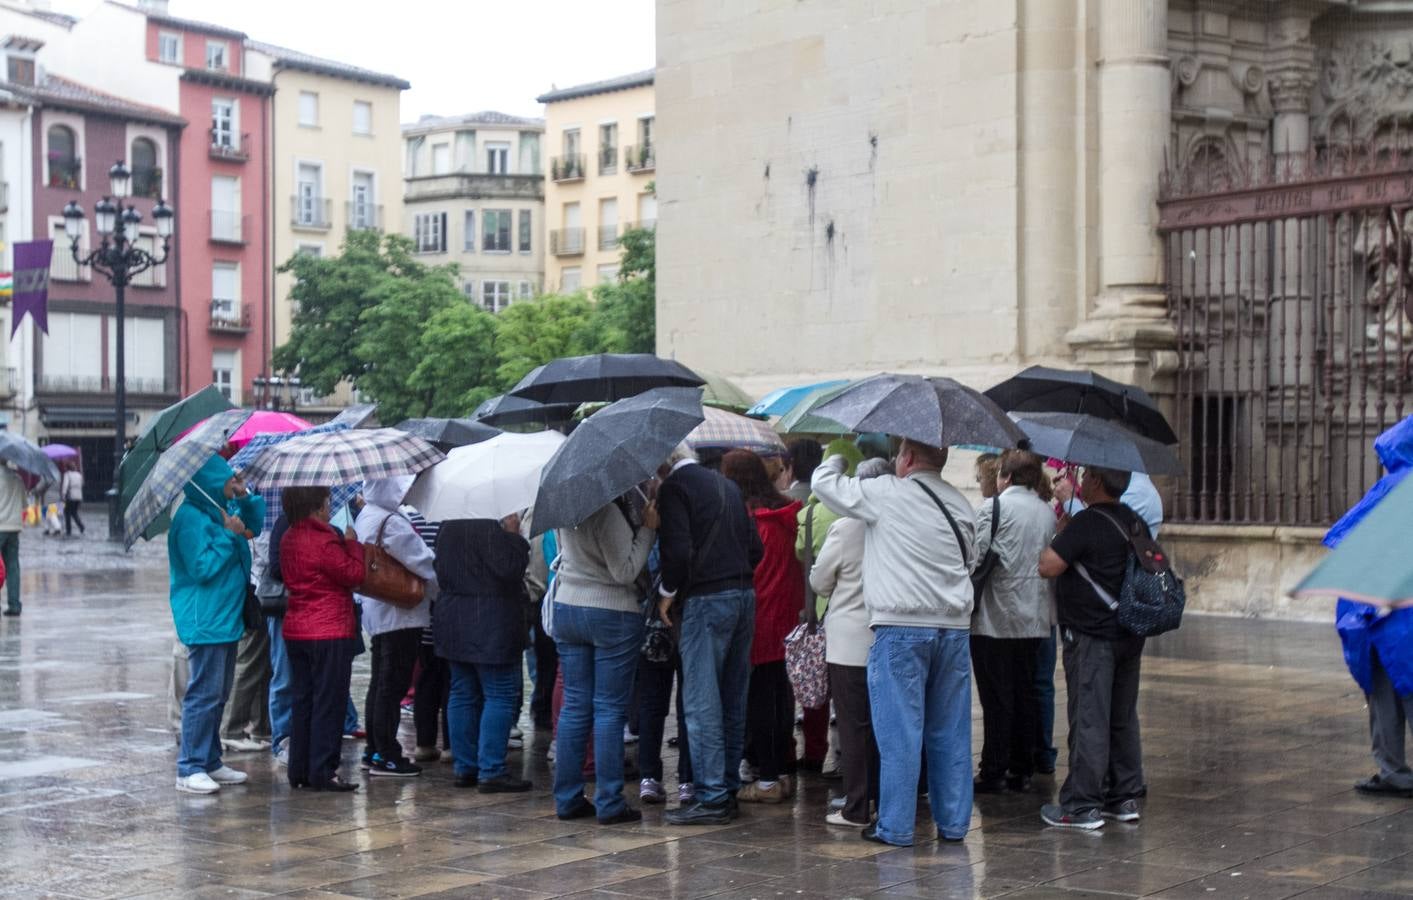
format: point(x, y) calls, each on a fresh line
point(210, 566)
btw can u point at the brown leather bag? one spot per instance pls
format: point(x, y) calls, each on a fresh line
point(386, 579)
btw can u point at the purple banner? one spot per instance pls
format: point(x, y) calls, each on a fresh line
point(32, 284)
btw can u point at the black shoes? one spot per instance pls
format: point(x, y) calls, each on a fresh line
point(394, 768)
point(580, 809)
point(504, 784)
point(988, 786)
point(1018, 783)
point(1376, 785)
point(334, 785)
point(626, 814)
point(11, 612)
point(465, 781)
point(699, 814)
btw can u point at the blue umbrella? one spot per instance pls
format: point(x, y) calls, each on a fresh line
point(781, 401)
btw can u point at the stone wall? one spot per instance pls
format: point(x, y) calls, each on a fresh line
point(1247, 570)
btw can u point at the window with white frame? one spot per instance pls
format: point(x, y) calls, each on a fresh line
point(497, 158)
point(495, 295)
point(527, 290)
point(225, 291)
point(216, 55)
point(314, 250)
point(169, 47)
point(570, 279)
point(441, 159)
point(308, 109)
point(468, 232)
point(469, 289)
point(309, 191)
point(225, 368)
point(495, 231)
point(525, 231)
point(362, 211)
point(608, 273)
point(429, 232)
point(414, 150)
point(223, 123)
point(362, 117)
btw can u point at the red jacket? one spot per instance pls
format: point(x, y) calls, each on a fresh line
point(779, 583)
point(321, 570)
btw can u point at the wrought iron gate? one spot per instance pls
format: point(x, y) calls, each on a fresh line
point(1289, 290)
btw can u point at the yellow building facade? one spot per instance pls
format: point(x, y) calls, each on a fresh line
point(600, 158)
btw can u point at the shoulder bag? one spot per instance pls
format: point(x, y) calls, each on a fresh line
point(986, 566)
point(272, 594)
point(1152, 597)
point(805, 660)
point(956, 531)
point(386, 579)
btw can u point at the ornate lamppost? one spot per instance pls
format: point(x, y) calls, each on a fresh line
point(118, 258)
point(278, 392)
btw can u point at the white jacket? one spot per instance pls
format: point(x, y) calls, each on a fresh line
point(404, 544)
point(1017, 602)
point(838, 574)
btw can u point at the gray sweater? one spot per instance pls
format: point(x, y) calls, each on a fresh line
point(600, 560)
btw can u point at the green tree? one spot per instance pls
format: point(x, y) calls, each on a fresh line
point(626, 310)
point(531, 334)
point(390, 342)
point(458, 363)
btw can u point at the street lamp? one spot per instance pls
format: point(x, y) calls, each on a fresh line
point(278, 392)
point(118, 258)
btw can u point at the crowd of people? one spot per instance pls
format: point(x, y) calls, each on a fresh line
point(687, 587)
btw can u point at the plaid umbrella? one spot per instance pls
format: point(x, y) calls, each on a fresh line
point(341, 493)
point(727, 431)
point(341, 457)
point(145, 516)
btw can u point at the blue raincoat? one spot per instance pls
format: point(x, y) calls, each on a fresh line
point(1362, 629)
point(210, 566)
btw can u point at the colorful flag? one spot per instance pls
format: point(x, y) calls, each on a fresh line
point(31, 283)
point(7, 284)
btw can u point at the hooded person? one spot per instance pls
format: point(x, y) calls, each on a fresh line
point(396, 632)
point(209, 556)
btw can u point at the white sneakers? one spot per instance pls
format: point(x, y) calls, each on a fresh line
point(210, 783)
point(837, 818)
point(244, 744)
point(227, 775)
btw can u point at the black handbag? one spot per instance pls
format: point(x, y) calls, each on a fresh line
point(251, 615)
point(986, 566)
point(273, 596)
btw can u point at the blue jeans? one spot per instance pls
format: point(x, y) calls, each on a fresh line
point(598, 649)
point(10, 553)
point(281, 699)
point(716, 668)
point(212, 668)
point(479, 714)
point(1045, 752)
point(919, 688)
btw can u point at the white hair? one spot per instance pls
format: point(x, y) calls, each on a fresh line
point(873, 468)
point(680, 452)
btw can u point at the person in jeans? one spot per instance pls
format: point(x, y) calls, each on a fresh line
point(479, 629)
point(598, 631)
point(396, 632)
point(1101, 658)
point(12, 519)
point(209, 556)
point(709, 549)
point(918, 554)
point(71, 491)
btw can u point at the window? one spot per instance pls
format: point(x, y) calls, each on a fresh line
point(608, 148)
point(414, 149)
point(362, 210)
point(308, 198)
point(64, 167)
point(524, 231)
point(169, 47)
point(495, 295)
point(441, 159)
point(468, 232)
point(225, 208)
point(569, 279)
point(224, 373)
point(571, 143)
point(495, 229)
point(429, 232)
point(464, 151)
point(608, 273)
point(362, 117)
point(308, 109)
point(216, 55)
point(527, 290)
point(645, 133)
point(497, 159)
point(146, 174)
point(62, 266)
point(647, 211)
point(608, 223)
point(225, 289)
point(223, 124)
point(20, 69)
point(469, 289)
point(314, 250)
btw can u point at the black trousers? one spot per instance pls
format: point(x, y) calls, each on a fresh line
point(546, 666)
point(654, 700)
point(1106, 754)
point(1005, 676)
point(770, 720)
point(319, 676)
point(433, 689)
point(71, 516)
point(394, 658)
point(858, 751)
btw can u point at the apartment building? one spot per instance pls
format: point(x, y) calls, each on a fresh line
point(603, 160)
point(474, 196)
point(16, 224)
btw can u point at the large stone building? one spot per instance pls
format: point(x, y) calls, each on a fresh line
point(1203, 196)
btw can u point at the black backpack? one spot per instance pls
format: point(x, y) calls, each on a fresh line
point(1152, 598)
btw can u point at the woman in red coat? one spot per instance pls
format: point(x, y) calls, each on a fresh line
point(780, 593)
point(321, 568)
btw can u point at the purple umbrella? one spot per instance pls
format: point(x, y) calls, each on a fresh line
point(60, 451)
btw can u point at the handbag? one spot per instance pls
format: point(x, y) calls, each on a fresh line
point(805, 660)
point(251, 615)
point(386, 579)
point(987, 566)
point(273, 595)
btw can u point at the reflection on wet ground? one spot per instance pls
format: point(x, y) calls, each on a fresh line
point(1254, 735)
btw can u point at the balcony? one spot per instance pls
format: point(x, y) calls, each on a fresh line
point(228, 227)
point(364, 216)
point(147, 183)
point(227, 318)
point(608, 159)
point(65, 173)
point(474, 186)
point(62, 266)
point(95, 384)
point(229, 147)
point(155, 277)
point(311, 213)
point(608, 237)
point(567, 242)
point(640, 158)
point(567, 168)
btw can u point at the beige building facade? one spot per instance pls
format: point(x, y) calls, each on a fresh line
point(1200, 196)
point(474, 196)
point(602, 159)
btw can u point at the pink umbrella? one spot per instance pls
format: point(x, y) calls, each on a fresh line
point(267, 422)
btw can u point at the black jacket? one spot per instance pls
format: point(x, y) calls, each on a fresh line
point(689, 501)
point(480, 611)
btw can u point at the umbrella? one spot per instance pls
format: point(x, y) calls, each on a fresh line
point(444, 434)
point(1042, 389)
point(722, 430)
point(161, 433)
point(781, 401)
point(354, 416)
point(1371, 563)
point(603, 376)
point(341, 457)
point(616, 448)
point(722, 393)
point(59, 451)
point(507, 410)
point(146, 516)
point(489, 480)
point(1091, 441)
point(340, 494)
point(28, 456)
point(267, 421)
point(802, 418)
point(938, 412)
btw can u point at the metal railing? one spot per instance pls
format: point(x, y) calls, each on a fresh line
point(95, 384)
point(228, 227)
point(147, 183)
point(231, 147)
point(62, 266)
point(567, 168)
point(65, 173)
point(608, 237)
point(364, 216)
point(608, 159)
point(155, 277)
point(640, 157)
point(228, 318)
point(567, 241)
point(310, 212)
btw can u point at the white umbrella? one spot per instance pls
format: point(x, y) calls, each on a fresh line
point(489, 480)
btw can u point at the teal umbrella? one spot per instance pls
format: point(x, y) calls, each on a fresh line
point(1372, 563)
point(161, 433)
point(802, 420)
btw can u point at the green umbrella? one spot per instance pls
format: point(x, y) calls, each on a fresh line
point(802, 420)
point(1372, 563)
point(722, 393)
point(161, 433)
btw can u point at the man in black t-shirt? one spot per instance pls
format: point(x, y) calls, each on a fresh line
point(1088, 559)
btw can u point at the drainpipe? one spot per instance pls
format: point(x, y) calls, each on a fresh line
point(267, 278)
point(174, 138)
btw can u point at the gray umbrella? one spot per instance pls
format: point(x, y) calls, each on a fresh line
point(1091, 441)
point(28, 456)
point(616, 448)
point(445, 434)
point(938, 412)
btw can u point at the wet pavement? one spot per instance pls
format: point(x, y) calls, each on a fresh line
point(1253, 735)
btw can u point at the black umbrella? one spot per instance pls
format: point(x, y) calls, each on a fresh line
point(354, 416)
point(1042, 389)
point(938, 412)
point(612, 450)
point(603, 377)
point(445, 434)
point(1091, 441)
point(507, 410)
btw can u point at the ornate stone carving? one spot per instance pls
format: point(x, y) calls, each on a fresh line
point(1290, 90)
point(1248, 78)
point(1364, 87)
point(1186, 68)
